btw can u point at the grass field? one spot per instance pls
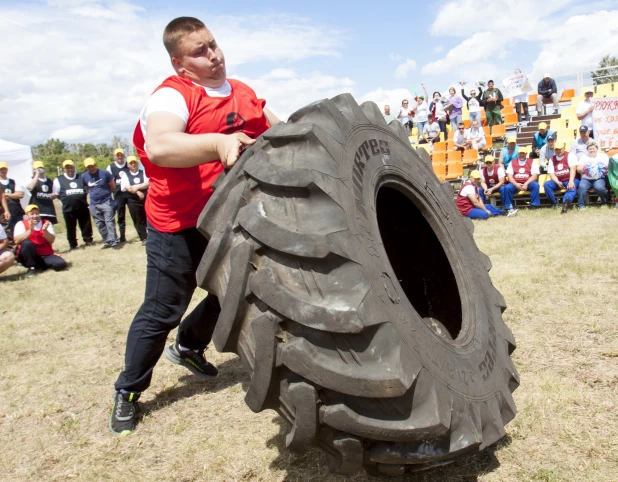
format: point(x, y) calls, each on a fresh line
point(62, 338)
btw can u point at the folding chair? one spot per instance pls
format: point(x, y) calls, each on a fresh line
point(439, 170)
point(567, 95)
point(452, 155)
point(438, 157)
point(470, 156)
point(439, 147)
point(532, 99)
point(454, 170)
point(510, 120)
point(499, 131)
point(557, 124)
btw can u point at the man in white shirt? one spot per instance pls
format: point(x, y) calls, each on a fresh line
point(7, 258)
point(431, 132)
point(585, 109)
point(404, 115)
point(579, 147)
point(493, 179)
point(462, 139)
point(388, 117)
point(562, 174)
point(522, 175)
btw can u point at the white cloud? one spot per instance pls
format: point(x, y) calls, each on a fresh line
point(74, 133)
point(403, 69)
point(384, 97)
point(438, 48)
point(395, 57)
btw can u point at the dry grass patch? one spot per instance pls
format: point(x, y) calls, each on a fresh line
point(63, 338)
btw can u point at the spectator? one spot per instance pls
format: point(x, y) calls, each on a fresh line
point(509, 152)
point(40, 188)
point(34, 237)
point(431, 132)
point(520, 101)
point(492, 100)
point(474, 104)
point(404, 115)
point(585, 109)
point(547, 90)
point(493, 180)
point(5, 215)
point(7, 258)
point(539, 139)
point(593, 170)
point(100, 185)
point(119, 198)
point(547, 152)
point(436, 107)
point(477, 135)
point(70, 189)
point(422, 112)
point(453, 106)
point(579, 147)
point(388, 117)
point(469, 203)
point(522, 174)
point(136, 184)
point(462, 138)
point(563, 174)
point(13, 194)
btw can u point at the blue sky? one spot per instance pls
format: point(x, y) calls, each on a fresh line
point(81, 69)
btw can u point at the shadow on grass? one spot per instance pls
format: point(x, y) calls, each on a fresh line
point(231, 373)
point(312, 466)
point(21, 275)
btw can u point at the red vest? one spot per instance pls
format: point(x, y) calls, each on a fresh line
point(462, 202)
point(522, 173)
point(41, 245)
point(177, 196)
point(561, 168)
point(492, 180)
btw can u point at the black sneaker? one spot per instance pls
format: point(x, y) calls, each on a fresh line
point(31, 272)
point(125, 413)
point(89, 243)
point(106, 246)
point(117, 246)
point(193, 360)
point(143, 242)
point(122, 239)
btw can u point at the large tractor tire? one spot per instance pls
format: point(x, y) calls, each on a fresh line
point(355, 295)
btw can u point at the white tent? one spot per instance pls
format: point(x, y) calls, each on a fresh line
point(19, 161)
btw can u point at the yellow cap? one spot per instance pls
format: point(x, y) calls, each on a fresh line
point(3, 165)
point(30, 207)
point(131, 159)
point(543, 125)
point(89, 161)
point(475, 174)
point(559, 145)
point(37, 165)
point(118, 151)
point(511, 139)
point(489, 158)
point(68, 162)
point(523, 150)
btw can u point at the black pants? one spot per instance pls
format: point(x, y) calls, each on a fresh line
point(121, 204)
point(28, 257)
point(172, 261)
point(435, 139)
point(79, 216)
point(442, 125)
point(525, 115)
point(138, 215)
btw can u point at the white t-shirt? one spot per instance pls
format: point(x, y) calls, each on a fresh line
point(534, 170)
point(550, 165)
point(2, 233)
point(595, 167)
point(170, 100)
point(440, 112)
point(500, 173)
point(469, 189)
point(20, 228)
point(477, 135)
point(474, 105)
point(582, 107)
point(125, 182)
point(56, 184)
point(422, 111)
point(461, 138)
point(403, 114)
point(432, 130)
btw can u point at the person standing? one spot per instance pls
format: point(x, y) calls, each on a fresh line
point(436, 107)
point(454, 104)
point(13, 194)
point(69, 188)
point(548, 91)
point(521, 101)
point(422, 112)
point(585, 109)
point(120, 198)
point(40, 188)
point(492, 100)
point(388, 117)
point(100, 185)
point(404, 115)
point(189, 144)
point(474, 104)
point(136, 184)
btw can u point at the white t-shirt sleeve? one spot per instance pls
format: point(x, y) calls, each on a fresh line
point(535, 168)
point(468, 190)
point(501, 172)
point(572, 160)
point(509, 170)
point(582, 107)
point(19, 229)
point(124, 181)
point(550, 168)
point(56, 187)
point(164, 100)
point(2, 233)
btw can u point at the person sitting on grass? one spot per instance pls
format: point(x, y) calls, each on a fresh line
point(431, 132)
point(469, 203)
point(7, 258)
point(462, 138)
point(509, 152)
point(563, 174)
point(522, 175)
point(593, 170)
point(34, 238)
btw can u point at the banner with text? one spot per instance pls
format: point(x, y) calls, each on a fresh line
point(605, 121)
point(516, 85)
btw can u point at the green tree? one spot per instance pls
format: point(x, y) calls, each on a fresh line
point(607, 75)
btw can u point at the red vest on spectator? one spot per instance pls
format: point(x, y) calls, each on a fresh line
point(462, 202)
point(561, 167)
point(41, 245)
point(492, 180)
point(177, 195)
point(522, 173)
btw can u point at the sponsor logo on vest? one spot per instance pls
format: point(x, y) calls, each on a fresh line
point(522, 170)
point(560, 166)
point(492, 181)
point(136, 180)
point(367, 150)
point(44, 188)
point(71, 192)
point(73, 184)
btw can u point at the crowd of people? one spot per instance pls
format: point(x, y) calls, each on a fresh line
point(103, 195)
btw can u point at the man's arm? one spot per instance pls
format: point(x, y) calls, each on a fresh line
point(4, 204)
point(167, 145)
point(112, 185)
point(14, 195)
point(49, 237)
point(55, 189)
point(272, 119)
point(4, 243)
point(31, 185)
point(477, 203)
point(20, 238)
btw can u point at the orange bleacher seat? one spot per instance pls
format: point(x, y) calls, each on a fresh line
point(499, 131)
point(486, 130)
point(451, 135)
point(612, 152)
point(440, 170)
point(439, 157)
point(508, 110)
point(454, 169)
point(488, 143)
point(532, 99)
point(567, 95)
point(439, 147)
point(467, 123)
point(510, 119)
point(453, 155)
point(470, 156)
point(507, 102)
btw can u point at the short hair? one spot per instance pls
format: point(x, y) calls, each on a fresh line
point(404, 100)
point(590, 143)
point(490, 82)
point(436, 92)
point(177, 29)
point(461, 124)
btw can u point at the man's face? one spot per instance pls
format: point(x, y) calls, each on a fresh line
point(551, 143)
point(200, 59)
point(490, 85)
point(589, 95)
point(584, 136)
point(92, 169)
point(542, 131)
point(3, 172)
point(558, 151)
point(475, 124)
point(489, 165)
point(546, 79)
point(133, 166)
point(523, 155)
point(69, 170)
point(477, 181)
point(405, 104)
point(120, 158)
point(387, 109)
point(34, 216)
point(472, 93)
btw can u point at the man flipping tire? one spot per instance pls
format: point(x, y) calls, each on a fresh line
point(184, 139)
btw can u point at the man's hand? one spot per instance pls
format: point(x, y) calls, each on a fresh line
point(229, 147)
point(571, 186)
point(7, 215)
point(46, 225)
point(489, 191)
point(524, 187)
point(140, 195)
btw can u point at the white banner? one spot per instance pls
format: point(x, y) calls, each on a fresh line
point(516, 85)
point(605, 121)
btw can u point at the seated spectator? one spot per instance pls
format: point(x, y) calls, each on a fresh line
point(563, 174)
point(34, 238)
point(436, 107)
point(509, 152)
point(521, 101)
point(136, 184)
point(431, 132)
point(547, 90)
point(593, 170)
point(493, 180)
point(522, 175)
point(477, 135)
point(540, 139)
point(462, 139)
point(403, 115)
point(388, 117)
point(579, 147)
point(585, 109)
point(474, 103)
point(547, 152)
point(7, 258)
point(454, 103)
point(492, 100)
point(469, 203)
point(41, 188)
